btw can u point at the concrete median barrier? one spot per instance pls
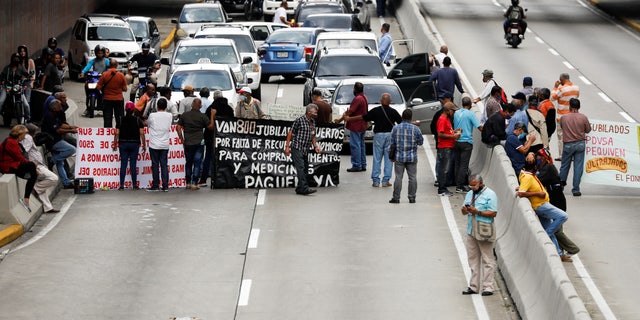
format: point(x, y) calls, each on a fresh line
point(15, 218)
point(534, 274)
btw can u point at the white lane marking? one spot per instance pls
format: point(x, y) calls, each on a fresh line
point(627, 116)
point(253, 238)
point(585, 80)
point(553, 52)
point(54, 222)
point(262, 195)
point(478, 303)
point(604, 97)
point(280, 93)
point(593, 289)
point(568, 65)
point(539, 40)
point(245, 290)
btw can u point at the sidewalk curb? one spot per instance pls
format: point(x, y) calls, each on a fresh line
point(10, 233)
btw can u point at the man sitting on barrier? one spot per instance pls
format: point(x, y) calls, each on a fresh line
point(550, 216)
point(54, 123)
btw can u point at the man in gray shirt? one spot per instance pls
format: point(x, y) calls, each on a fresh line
point(191, 133)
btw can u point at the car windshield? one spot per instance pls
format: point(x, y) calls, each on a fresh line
point(139, 29)
point(344, 94)
point(244, 43)
point(290, 36)
point(347, 43)
point(354, 66)
point(212, 79)
point(105, 33)
point(215, 54)
point(329, 22)
point(305, 12)
point(201, 14)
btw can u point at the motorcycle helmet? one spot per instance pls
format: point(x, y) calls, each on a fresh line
point(146, 46)
point(53, 41)
point(515, 2)
point(99, 48)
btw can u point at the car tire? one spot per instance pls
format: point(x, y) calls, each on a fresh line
point(264, 78)
point(289, 77)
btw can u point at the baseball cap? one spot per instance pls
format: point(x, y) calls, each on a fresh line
point(527, 81)
point(129, 106)
point(487, 73)
point(245, 89)
point(519, 96)
point(188, 88)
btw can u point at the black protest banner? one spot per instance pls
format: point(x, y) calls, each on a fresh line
point(249, 153)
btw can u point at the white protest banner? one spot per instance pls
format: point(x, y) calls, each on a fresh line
point(612, 154)
point(96, 159)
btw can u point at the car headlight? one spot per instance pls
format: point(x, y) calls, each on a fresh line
point(251, 67)
point(181, 33)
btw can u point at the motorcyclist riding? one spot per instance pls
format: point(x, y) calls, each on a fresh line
point(144, 59)
point(515, 13)
point(12, 74)
point(98, 64)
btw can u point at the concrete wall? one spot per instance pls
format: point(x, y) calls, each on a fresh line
point(527, 258)
point(32, 22)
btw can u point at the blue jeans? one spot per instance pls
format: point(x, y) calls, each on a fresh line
point(60, 152)
point(159, 158)
point(206, 163)
point(381, 144)
point(573, 151)
point(412, 169)
point(444, 159)
point(301, 163)
point(129, 155)
point(551, 219)
point(193, 160)
point(358, 150)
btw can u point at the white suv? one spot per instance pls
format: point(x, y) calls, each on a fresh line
point(246, 46)
point(193, 51)
point(108, 30)
point(193, 15)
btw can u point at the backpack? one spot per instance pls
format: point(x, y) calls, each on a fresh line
point(44, 139)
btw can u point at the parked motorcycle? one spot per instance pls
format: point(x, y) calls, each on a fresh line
point(13, 107)
point(94, 96)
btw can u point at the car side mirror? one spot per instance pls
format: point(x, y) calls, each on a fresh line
point(306, 73)
point(416, 101)
point(155, 34)
point(138, 39)
point(164, 61)
point(395, 73)
point(247, 60)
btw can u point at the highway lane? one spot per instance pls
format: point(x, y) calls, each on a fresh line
point(344, 253)
point(565, 33)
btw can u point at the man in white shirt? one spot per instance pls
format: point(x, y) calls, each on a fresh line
point(159, 134)
point(280, 16)
point(46, 178)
